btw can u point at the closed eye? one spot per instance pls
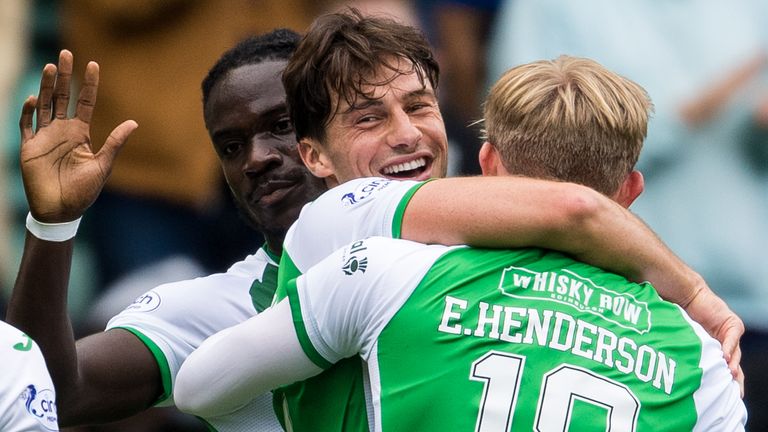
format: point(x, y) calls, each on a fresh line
point(367, 120)
point(418, 106)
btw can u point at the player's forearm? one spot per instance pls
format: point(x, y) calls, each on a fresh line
point(614, 239)
point(38, 305)
point(506, 212)
point(509, 212)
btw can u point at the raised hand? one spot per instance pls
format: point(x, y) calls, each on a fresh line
point(62, 176)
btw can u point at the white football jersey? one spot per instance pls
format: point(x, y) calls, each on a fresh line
point(27, 395)
point(359, 208)
point(174, 319)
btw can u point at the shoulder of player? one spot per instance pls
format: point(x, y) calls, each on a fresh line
point(354, 193)
point(367, 258)
point(15, 344)
point(195, 299)
point(22, 355)
point(7, 331)
point(251, 266)
point(351, 201)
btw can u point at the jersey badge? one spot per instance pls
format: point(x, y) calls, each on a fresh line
point(353, 264)
point(41, 404)
point(352, 261)
point(146, 302)
point(25, 345)
point(363, 191)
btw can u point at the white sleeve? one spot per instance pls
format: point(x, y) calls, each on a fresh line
point(718, 399)
point(232, 367)
point(357, 209)
point(341, 305)
point(174, 319)
point(27, 396)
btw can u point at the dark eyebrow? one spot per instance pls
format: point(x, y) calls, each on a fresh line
point(420, 93)
point(223, 134)
point(366, 103)
point(275, 110)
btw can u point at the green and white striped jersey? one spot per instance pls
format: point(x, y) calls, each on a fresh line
point(357, 209)
point(462, 339)
point(174, 319)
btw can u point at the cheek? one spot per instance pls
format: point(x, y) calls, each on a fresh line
point(355, 150)
point(437, 136)
point(366, 154)
point(233, 176)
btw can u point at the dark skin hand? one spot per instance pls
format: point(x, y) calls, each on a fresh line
point(109, 375)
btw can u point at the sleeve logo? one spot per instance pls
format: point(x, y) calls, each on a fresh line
point(353, 263)
point(363, 191)
point(25, 345)
point(41, 405)
point(146, 302)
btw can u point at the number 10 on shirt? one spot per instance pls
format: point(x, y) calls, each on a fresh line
point(561, 387)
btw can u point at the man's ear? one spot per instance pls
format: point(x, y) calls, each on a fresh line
point(490, 161)
point(630, 189)
point(314, 157)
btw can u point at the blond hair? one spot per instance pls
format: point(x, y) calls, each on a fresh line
point(569, 119)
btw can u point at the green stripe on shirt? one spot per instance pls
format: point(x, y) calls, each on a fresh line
point(301, 330)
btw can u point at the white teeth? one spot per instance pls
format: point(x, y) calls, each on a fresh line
point(405, 166)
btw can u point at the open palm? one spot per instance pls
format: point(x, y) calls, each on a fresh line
point(62, 175)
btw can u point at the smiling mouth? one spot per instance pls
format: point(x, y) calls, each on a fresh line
point(406, 170)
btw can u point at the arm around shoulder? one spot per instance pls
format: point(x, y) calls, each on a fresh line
point(510, 212)
point(233, 366)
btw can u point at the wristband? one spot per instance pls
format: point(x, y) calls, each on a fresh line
point(55, 232)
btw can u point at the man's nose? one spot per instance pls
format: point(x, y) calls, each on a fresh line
point(261, 158)
point(403, 132)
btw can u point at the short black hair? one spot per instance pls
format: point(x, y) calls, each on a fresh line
point(278, 44)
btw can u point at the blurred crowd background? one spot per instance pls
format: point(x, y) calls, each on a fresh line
point(166, 214)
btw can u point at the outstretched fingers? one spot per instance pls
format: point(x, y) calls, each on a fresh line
point(25, 121)
point(87, 100)
point(44, 98)
point(61, 88)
